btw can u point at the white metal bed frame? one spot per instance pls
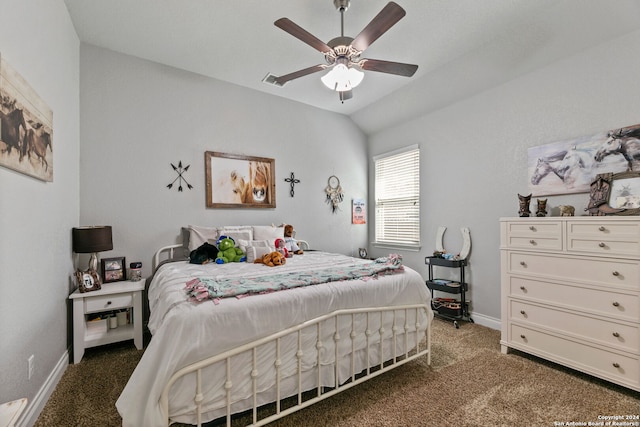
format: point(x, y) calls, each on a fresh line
point(387, 362)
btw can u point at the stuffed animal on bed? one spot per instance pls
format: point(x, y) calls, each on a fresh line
point(281, 247)
point(290, 243)
point(272, 259)
point(203, 254)
point(228, 252)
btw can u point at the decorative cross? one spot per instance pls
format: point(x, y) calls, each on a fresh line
point(180, 170)
point(293, 181)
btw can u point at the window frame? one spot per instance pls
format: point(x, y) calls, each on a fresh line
point(414, 197)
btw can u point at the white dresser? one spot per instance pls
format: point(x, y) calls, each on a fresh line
point(571, 293)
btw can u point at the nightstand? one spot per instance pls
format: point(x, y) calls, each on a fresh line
point(112, 297)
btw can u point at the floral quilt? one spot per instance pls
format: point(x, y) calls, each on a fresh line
point(203, 288)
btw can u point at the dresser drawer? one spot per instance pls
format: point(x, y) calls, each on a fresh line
point(603, 229)
point(606, 302)
point(107, 302)
point(597, 271)
point(603, 247)
point(608, 333)
point(533, 235)
point(596, 361)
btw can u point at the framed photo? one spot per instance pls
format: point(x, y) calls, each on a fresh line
point(87, 280)
point(615, 194)
point(236, 181)
point(113, 269)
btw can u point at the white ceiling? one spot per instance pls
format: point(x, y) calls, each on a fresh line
point(461, 46)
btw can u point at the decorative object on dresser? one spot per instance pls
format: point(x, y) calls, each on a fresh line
point(567, 210)
point(524, 202)
point(237, 181)
point(334, 193)
point(542, 207)
point(92, 240)
point(113, 269)
point(292, 180)
point(180, 171)
point(571, 293)
point(615, 194)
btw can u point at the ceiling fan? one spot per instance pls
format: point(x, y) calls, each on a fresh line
point(342, 54)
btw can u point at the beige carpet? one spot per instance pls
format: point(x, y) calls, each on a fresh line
point(469, 383)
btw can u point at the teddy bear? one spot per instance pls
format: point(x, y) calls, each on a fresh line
point(228, 252)
point(272, 259)
point(291, 244)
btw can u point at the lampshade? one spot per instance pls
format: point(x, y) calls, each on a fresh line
point(341, 78)
point(92, 239)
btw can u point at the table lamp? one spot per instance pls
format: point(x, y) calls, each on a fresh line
point(92, 240)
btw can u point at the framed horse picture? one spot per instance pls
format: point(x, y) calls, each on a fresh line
point(571, 166)
point(237, 181)
point(26, 126)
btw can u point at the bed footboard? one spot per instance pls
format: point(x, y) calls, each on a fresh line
point(352, 345)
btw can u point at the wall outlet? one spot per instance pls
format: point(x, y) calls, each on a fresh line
point(31, 363)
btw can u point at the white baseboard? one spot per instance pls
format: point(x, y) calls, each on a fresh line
point(31, 413)
point(489, 322)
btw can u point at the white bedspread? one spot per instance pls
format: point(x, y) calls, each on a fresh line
point(185, 332)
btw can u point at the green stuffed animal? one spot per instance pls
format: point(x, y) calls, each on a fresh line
point(228, 252)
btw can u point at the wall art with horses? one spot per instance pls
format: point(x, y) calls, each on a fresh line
point(237, 181)
point(570, 166)
point(26, 126)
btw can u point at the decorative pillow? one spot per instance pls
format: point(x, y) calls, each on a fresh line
point(255, 248)
point(199, 235)
point(236, 235)
point(267, 232)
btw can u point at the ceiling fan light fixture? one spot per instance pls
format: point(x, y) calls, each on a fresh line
point(342, 78)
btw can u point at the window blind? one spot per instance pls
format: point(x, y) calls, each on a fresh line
point(397, 197)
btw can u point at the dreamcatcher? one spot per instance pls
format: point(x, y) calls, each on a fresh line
point(334, 193)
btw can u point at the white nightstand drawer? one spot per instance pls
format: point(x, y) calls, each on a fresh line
point(591, 359)
point(608, 333)
point(596, 271)
point(606, 301)
point(107, 302)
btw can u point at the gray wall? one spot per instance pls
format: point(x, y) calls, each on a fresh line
point(474, 152)
point(39, 41)
point(138, 117)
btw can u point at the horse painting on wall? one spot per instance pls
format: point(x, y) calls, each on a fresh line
point(26, 127)
point(570, 166)
point(236, 181)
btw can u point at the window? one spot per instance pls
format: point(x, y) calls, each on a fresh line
point(397, 197)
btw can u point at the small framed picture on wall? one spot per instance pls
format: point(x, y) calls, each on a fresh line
point(113, 269)
point(358, 211)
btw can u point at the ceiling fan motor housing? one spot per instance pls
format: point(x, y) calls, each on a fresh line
point(341, 5)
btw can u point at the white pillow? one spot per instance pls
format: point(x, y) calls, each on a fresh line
point(255, 248)
point(198, 235)
point(267, 232)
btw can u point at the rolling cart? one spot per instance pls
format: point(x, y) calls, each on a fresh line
point(453, 308)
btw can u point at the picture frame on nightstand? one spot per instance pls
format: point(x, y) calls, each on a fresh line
point(87, 281)
point(113, 269)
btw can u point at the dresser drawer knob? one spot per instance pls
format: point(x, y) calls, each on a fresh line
point(522, 263)
point(532, 228)
point(615, 334)
point(601, 244)
point(616, 365)
point(533, 242)
point(601, 228)
point(523, 337)
point(615, 273)
point(616, 304)
point(522, 288)
point(522, 312)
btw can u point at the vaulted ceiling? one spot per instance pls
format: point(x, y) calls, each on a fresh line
point(462, 47)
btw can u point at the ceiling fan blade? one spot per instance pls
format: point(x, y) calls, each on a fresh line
point(280, 81)
point(398, 68)
point(303, 35)
point(379, 25)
